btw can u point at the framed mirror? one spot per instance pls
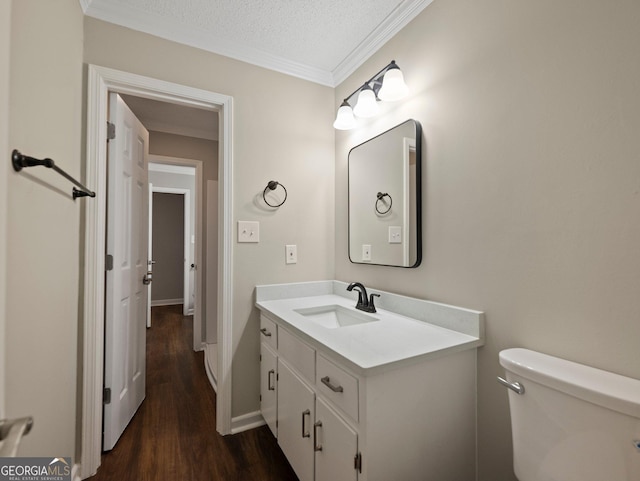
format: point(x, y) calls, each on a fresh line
point(385, 198)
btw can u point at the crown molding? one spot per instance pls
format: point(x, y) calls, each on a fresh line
point(402, 15)
point(159, 26)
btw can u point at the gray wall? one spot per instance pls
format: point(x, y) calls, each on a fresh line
point(43, 225)
point(531, 116)
point(168, 247)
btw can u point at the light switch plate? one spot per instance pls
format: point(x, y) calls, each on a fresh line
point(395, 234)
point(366, 252)
point(291, 252)
point(248, 231)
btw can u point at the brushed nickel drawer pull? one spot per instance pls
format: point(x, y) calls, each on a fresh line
point(265, 332)
point(271, 386)
point(316, 446)
point(305, 434)
point(327, 382)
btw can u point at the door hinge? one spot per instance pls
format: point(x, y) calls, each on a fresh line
point(111, 131)
point(106, 395)
point(108, 263)
point(260, 397)
point(357, 462)
point(260, 357)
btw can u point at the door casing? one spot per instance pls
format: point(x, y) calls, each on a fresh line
point(101, 81)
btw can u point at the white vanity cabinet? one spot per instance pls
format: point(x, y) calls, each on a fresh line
point(413, 422)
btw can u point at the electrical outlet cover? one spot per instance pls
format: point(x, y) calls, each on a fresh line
point(291, 252)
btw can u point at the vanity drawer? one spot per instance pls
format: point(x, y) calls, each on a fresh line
point(268, 332)
point(298, 354)
point(338, 386)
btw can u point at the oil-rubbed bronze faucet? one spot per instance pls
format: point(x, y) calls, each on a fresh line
point(365, 303)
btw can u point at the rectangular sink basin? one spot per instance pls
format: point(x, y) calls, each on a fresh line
point(334, 316)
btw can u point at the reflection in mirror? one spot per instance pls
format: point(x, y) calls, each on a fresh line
point(385, 198)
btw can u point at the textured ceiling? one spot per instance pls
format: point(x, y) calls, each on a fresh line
point(319, 40)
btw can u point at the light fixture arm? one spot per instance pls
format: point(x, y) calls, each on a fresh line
point(374, 82)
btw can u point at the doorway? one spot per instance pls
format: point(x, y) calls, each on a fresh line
point(167, 174)
point(170, 227)
point(101, 81)
point(176, 268)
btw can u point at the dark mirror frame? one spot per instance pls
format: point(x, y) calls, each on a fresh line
point(417, 212)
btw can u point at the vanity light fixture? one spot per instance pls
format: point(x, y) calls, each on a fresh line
point(388, 85)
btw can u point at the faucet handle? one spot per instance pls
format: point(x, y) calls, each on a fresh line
point(372, 306)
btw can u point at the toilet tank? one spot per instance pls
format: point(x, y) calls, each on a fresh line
point(572, 422)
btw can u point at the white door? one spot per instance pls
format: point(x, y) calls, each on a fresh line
point(296, 414)
point(126, 292)
point(268, 392)
point(334, 462)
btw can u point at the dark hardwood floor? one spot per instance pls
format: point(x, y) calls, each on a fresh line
point(173, 435)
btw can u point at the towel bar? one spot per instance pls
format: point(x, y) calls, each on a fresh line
point(11, 433)
point(20, 161)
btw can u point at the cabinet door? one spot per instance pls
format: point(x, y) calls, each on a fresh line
point(268, 387)
point(295, 421)
point(336, 446)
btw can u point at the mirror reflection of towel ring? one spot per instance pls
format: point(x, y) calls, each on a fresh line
point(273, 185)
point(381, 196)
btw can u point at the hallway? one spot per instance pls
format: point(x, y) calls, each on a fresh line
point(173, 437)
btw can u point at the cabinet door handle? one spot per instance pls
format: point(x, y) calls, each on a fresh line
point(327, 382)
point(270, 386)
point(305, 434)
point(316, 446)
point(265, 332)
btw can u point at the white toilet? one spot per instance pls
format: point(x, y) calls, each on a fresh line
point(571, 422)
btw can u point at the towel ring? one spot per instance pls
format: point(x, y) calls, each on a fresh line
point(381, 196)
point(273, 185)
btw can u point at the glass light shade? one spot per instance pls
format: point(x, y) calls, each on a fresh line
point(393, 86)
point(367, 105)
point(344, 118)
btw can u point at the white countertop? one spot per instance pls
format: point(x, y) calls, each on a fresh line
point(373, 346)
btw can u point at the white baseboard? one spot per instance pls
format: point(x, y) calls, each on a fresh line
point(246, 422)
point(166, 302)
